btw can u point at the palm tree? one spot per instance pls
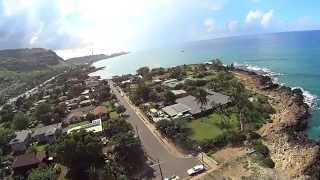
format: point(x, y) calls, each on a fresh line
point(201, 98)
point(240, 97)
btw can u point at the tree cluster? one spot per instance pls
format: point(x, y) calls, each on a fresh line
point(79, 151)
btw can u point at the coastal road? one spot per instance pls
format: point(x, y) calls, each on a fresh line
point(171, 164)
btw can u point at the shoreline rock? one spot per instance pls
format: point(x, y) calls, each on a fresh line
point(292, 151)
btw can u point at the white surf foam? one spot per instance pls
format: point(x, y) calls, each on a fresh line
point(310, 99)
point(260, 71)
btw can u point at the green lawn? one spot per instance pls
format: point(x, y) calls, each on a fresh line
point(210, 77)
point(40, 147)
point(77, 124)
point(114, 115)
point(210, 127)
point(109, 105)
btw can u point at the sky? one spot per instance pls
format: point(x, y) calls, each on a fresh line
point(76, 27)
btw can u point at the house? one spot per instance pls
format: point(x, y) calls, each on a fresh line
point(74, 100)
point(46, 97)
point(23, 163)
point(214, 99)
point(39, 102)
point(72, 106)
point(47, 134)
point(100, 111)
point(91, 83)
point(85, 92)
point(157, 80)
point(21, 141)
point(86, 103)
point(74, 117)
point(161, 77)
point(95, 126)
point(179, 93)
point(126, 81)
point(94, 78)
point(172, 83)
point(63, 98)
point(176, 110)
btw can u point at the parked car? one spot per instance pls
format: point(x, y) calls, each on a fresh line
point(195, 170)
point(172, 178)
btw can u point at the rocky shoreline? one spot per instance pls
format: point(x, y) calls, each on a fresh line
point(295, 155)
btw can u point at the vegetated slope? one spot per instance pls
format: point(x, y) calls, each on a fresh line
point(23, 69)
point(25, 60)
point(91, 58)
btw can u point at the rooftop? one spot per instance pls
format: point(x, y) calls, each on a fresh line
point(87, 91)
point(95, 126)
point(86, 102)
point(47, 130)
point(178, 92)
point(99, 110)
point(213, 98)
point(172, 83)
point(21, 136)
point(28, 159)
point(175, 109)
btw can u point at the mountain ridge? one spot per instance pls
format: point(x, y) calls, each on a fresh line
point(28, 59)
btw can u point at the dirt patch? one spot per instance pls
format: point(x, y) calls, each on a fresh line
point(228, 154)
point(236, 172)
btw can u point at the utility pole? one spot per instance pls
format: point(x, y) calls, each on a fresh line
point(200, 149)
point(137, 132)
point(160, 169)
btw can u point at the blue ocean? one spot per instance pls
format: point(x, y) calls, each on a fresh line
point(293, 58)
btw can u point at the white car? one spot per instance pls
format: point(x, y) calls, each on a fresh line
point(196, 169)
point(172, 178)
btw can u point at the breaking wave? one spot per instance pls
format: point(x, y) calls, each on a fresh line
point(309, 98)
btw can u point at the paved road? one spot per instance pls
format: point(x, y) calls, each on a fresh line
point(170, 164)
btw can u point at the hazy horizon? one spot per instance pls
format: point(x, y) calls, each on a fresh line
point(75, 27)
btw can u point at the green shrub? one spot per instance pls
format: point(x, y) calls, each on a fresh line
point(267, 162)
point(259, 147)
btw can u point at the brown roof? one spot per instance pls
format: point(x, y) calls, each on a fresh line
point(76, 115)
point(28, 159)
point(100, 110)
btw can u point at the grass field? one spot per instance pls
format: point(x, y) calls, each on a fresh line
point(40, 147)
point(210, 127)
point(108, 105)
point(78, 124)
point(114, 115)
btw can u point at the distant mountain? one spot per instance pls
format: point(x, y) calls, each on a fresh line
point(24, 60)
point(92, 58)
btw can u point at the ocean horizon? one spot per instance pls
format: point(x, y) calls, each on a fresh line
point(291, 58)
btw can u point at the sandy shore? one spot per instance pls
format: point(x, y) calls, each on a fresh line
point(293, 153)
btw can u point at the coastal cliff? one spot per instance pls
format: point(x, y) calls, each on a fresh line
point(294, 154)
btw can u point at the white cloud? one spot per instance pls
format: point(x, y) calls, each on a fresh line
point(253, 15)
point(209, 24)
point(266, 18)
point(258, 16)
point(213, 5)
point(106, 26)
point(233, 26)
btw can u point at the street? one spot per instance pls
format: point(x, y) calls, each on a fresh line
point(170, 164)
